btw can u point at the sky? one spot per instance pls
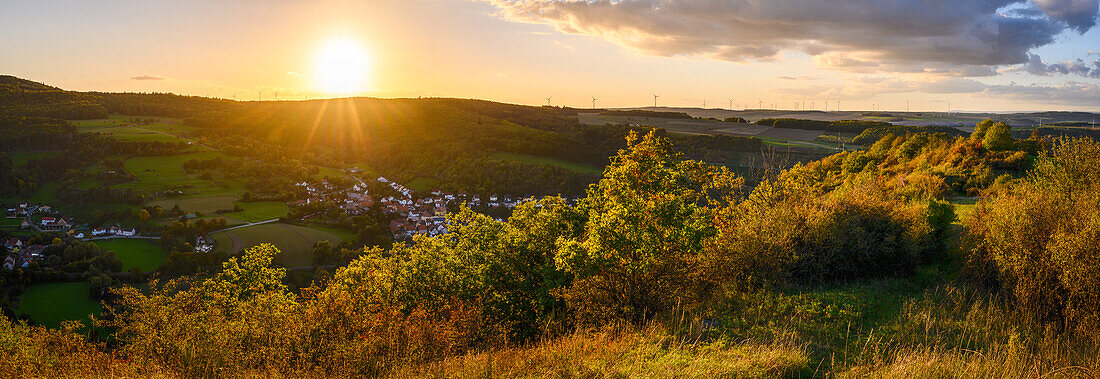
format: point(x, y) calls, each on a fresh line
point(977, 55)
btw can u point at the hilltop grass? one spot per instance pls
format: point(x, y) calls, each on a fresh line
point(649, 352)
point(52, 303)
point(142, 254)
point(530, 159)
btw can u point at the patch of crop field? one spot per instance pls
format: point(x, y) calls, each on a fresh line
point(52, 303)
point(817, 147)
point(159, 173)
point(531, 159)
point(134, 133)
point(344, 234)
point(329, 172)
point(10, 222)
point(794, 134)
point(146, 255)
point(19, 159)
point(742, 129)
point(421, 183)
point(295, 243)
point(260, 210)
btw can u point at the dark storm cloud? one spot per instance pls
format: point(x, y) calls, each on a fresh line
point(953, 37)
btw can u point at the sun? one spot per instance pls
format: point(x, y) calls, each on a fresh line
point(341, 67)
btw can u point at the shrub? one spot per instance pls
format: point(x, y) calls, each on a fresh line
point(1036, 241)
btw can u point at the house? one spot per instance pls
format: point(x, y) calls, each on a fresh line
point(56, 225)
point(47, 220)
point(26, 224)
point(127, 232)
point(9, 262)
point(13, 243)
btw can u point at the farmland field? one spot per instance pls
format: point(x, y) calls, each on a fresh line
point(158, 173)
point(294, 242)
point(421, 183)
point(260, 210)
point(143, 254)
point(52, 303)
point(550, 161)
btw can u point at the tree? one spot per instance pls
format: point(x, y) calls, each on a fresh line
point(143, 215)
point(642, 250)
point(998, 137)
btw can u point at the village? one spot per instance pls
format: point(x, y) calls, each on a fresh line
point(45, 219)
point(413, 213)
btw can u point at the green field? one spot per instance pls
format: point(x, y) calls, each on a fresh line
point(143, 254)
point(421, 183)
point(52, 303)
point(158, 173)
point(294, 242)
point(260, 210)
point(344, 234)
point(548, 161)
point(133, 133)
point(253, 210)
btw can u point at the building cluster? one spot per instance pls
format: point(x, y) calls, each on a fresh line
point(42, 218)
point(19, 254)
point(114, 230)
point(424, 214)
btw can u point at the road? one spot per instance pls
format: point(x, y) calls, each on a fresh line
point(122, 237)
point(245, 225)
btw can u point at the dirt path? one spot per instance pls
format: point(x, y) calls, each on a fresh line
point(238, 243)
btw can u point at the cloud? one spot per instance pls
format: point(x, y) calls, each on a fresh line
point(1068, 93)
point(1036, 66)
point(148, 77)
point(1078, 14)
point(946, 37)
point(871, 86)
point(292, 73)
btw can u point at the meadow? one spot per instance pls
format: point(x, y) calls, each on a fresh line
point(158, 173)
point(146, 255)
point(530, 159)
point(295, 242)
point(52, 303)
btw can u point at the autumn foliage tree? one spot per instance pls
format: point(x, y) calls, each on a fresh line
point(648, 221)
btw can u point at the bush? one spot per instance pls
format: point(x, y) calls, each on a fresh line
point(786, 231)
point(1036, 241)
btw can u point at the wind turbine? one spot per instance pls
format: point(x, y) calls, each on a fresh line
point(826, 105)
point(260, 95)
point(906, 105)
point(594, 102)
point(548, 100)
point(704, 104)
point(655, 96)
point(731, 104)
